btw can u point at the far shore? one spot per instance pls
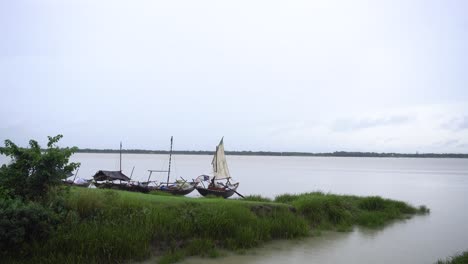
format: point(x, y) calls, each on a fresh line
point(275, 153)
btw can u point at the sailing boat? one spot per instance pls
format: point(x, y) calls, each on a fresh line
point(179, 187)
point(220, 173)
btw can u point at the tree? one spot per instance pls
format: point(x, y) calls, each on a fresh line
point(32, 171)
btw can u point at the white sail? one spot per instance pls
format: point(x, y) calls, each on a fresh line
point(220, 167)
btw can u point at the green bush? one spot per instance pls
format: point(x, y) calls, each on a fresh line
point(33, 171)
point(23, 222)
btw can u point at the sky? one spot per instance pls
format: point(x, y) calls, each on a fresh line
point(313, 76)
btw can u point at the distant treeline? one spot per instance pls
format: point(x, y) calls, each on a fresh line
point(273, 153)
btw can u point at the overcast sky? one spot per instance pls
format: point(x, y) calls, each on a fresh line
point(311, 76)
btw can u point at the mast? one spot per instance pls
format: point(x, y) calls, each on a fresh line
point(76, 174)
point(120, 156)
point(169, 169)
point(132, 172)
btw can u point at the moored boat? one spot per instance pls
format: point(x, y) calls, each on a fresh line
point(117, 179)
point(178, 187)
point(78, 182)
point(220, 184)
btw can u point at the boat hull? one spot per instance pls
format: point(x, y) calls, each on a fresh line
point(176, 190)
point(123, 187)
point(219, 193)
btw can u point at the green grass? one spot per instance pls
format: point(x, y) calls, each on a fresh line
point(461, 258)
point(256, 198)
point(341, 212)
point(104, 226)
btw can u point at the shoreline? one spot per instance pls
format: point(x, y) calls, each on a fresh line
point(282, 154)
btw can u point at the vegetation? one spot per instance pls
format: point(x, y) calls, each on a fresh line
point(31, 203)
point(115, 226)
point(33, 171)
point(277, 153)
point(341, 212)
point(105, 226)
point(257, 198)
point(461, 258)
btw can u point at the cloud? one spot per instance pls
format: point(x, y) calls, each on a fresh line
point(447, 143)
point(345, 125)
point(456, 124)
point(463, 123)
point(463, 146)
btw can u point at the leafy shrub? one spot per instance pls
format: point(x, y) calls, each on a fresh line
point(33, 171)
point(22, 222)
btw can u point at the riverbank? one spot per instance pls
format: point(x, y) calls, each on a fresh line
point(116, 226)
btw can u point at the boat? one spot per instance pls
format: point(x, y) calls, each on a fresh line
point(78, 182)
point(219, 184)
point(178, 187)
point(117, 179)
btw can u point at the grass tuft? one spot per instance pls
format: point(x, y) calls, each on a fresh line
point(257, 198)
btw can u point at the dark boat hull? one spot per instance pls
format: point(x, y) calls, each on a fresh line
point(219, 193)
point(123, 187)
point(176, 190)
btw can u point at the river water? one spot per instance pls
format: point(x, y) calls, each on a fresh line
point(440, 184)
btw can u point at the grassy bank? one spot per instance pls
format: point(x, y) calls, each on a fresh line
point(461, 258)
point(104, 226)
point(341, 212)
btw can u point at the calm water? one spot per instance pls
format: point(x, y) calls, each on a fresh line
point(441, 184)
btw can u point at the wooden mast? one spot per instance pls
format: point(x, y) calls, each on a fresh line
point(169, 169)
point(120, 156)
point(132, 172)
point(76, 174)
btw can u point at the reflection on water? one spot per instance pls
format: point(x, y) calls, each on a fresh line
point(441, 184)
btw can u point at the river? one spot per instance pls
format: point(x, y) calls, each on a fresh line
point(440, 184)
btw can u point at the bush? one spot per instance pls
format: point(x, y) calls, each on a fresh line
point(23, 222)
point(33, 171)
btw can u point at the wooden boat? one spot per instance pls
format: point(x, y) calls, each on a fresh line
point(117, 180)
point(224, 192)
point(220, 183)
point(78, 182)
point(179, 187)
